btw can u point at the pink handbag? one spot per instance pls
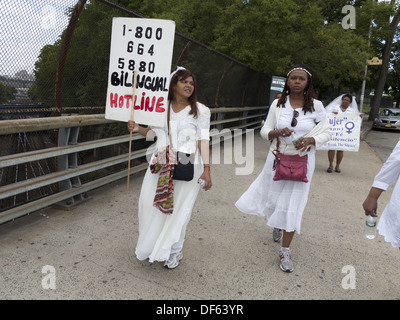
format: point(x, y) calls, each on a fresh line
point(290, 167)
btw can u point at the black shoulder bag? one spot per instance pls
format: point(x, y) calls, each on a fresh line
point(184, 167)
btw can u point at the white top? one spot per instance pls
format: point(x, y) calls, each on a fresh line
point(283, 202)
point(279, 118)
point(390, 171)
point(389, 223)
point(185, 130)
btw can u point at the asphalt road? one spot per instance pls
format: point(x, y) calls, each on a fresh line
point(383, 142)
point(89, 252)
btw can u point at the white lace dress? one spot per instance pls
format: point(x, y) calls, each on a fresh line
point(159, 234)
point(282, 202)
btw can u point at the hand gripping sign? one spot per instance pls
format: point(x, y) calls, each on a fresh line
point(144, 46)
point(345, 129)
point(139, 69)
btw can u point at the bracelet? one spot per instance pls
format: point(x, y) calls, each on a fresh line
point(207, 166)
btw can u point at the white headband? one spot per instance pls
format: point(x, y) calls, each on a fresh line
point(308, 72)
point(177, 69)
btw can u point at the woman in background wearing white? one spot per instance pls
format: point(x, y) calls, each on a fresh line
point(342, 104)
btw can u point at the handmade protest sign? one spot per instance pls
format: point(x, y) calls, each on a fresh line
point(144, 46)
point(345, 129)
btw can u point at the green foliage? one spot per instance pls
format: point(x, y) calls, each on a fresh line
point(274, 35)
point(86, 66)
point(268, 35)
point(6, 92)
point(393, 82)
point(45, 75)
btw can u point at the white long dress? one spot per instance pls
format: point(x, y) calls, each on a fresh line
point(160, 234)
point(282, 202)
point(389, 223)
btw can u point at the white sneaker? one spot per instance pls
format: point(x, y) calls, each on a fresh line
point(277, 234)
point(173, 260)
point(286, 260)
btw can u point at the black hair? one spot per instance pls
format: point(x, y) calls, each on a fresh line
point(348, 96)
point(308, 91)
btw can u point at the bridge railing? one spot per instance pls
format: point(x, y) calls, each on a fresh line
point(70, 190)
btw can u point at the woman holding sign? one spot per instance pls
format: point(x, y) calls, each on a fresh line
point(297, 124)
point(165, 203)
point(342, 104)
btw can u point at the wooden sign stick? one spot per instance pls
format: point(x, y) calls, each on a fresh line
point(130, 134)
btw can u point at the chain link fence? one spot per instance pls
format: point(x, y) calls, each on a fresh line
point(54, 61)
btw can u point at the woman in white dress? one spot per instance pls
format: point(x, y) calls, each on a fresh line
point(389, 223)
point(162, 227)
point(345, 103)
point(295, 115)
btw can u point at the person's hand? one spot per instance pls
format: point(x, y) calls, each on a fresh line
point(303, 143)
point(206, 176)
point(370, 206)
point(133, 126)
point(286, 132)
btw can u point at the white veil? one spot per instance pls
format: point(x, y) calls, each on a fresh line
point(335, 104)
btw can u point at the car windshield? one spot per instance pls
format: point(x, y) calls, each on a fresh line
point(388, 113)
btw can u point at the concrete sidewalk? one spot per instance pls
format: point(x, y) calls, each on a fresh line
point(227, 255)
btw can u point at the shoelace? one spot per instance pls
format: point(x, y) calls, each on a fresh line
point(284, 255)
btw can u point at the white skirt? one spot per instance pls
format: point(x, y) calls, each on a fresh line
point(160, 233)
point(281, 202)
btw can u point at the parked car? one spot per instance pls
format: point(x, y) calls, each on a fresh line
point(388, 119)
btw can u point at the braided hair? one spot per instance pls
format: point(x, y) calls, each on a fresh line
point(308, 90)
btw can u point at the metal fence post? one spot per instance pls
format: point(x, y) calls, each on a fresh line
point(220, 116)
point(69, 136)
point(244, 115)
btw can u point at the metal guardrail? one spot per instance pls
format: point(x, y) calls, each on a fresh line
point(69, 173)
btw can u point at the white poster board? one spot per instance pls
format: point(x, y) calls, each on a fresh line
point(345, 129)
point(144, 45)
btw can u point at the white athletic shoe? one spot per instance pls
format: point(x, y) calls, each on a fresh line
point(173, 260)
point(286, 260)
point(277, 234)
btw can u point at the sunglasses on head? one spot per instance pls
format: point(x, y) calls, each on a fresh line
point(294, 120)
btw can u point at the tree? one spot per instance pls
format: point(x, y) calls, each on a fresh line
point(6, 92)
point(86, 66)
point(393, 79)
point(271, 36)
point(387, 49)
point(45, 74)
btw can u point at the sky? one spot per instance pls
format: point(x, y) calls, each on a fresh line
point(25, 27)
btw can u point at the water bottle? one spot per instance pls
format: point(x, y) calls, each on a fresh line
point(294, 139)
point(201, 182)
point(370, 227)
